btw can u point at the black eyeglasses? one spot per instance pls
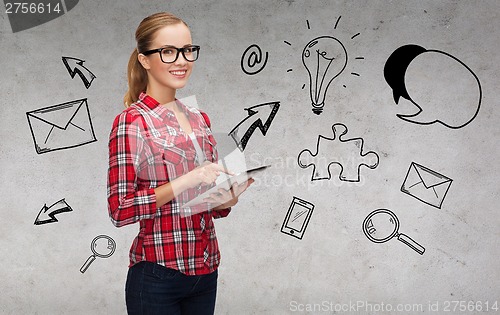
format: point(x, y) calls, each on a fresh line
point(169, 54)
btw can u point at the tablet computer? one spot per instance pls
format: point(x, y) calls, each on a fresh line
point(226, 184)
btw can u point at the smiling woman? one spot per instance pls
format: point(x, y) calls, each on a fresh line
point(161, 154)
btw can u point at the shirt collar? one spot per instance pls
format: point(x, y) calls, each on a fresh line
point(147, 100)
point(153, 104)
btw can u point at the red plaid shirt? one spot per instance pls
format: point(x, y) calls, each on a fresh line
point(147, 149)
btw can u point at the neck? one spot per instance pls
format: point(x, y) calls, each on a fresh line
point(166, 97)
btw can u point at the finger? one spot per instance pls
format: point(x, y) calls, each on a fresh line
point(243, 186)
point(234, 190)
point(212, 169)
point(221, 168)
point(210, 177)
point(214, 199)
point(222, 191)
point(204, 179)
point(226, 195)
point(247, 183)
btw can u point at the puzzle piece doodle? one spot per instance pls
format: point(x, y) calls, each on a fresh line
point(347, 153)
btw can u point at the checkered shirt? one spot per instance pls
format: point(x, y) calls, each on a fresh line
point(147, 148)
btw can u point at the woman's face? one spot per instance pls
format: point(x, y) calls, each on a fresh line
point(168, 75)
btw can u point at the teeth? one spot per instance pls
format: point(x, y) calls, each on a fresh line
point(180, 72)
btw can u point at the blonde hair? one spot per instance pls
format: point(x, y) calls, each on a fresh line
point(136, 74)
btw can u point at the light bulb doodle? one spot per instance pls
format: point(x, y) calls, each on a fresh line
point(324, 58)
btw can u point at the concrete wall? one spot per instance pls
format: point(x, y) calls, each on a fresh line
point(331, 266)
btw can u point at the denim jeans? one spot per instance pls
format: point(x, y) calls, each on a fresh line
point(152, 289)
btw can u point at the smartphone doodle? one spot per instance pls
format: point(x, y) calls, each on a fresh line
point(297, 218)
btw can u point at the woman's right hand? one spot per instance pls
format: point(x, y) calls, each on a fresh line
point(205, 174)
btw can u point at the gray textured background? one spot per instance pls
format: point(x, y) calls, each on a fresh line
point(263, 271)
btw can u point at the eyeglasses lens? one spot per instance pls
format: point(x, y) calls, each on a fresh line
point(170, 54)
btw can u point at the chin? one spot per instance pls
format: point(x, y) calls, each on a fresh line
point(179, 86)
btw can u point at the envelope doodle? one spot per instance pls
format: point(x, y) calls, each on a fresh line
point(426, 185)
point(61, 126)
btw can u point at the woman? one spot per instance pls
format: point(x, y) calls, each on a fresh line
point(162, 154)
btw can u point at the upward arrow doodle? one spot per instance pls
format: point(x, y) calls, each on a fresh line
point(244, 130)
point(75, 66)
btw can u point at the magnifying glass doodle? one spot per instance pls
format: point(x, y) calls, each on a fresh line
point(382, 225)
point(102, 246)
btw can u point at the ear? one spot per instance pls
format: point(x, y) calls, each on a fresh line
point(144, 61)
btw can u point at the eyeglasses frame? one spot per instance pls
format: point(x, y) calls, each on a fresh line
point(179, 50)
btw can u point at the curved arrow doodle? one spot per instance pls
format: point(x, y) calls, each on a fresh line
point(48, 214)
point(248, 126)
point(75, 66)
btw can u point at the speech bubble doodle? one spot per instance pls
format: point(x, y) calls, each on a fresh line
point(444, 89)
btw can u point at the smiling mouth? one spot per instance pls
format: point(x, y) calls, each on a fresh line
point(178, 72)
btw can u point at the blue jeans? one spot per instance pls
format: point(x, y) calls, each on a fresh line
point(152, 289)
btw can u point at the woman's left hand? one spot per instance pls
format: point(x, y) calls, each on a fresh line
point(228, 198)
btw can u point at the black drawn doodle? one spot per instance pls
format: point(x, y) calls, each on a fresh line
point(325, 58)
point(297, 218)
point(426, 185)
point(61, 126)
point(251, 58)
point(256, 114)
point(347, 153)
point(48, 214)
point(75, 66)
point(25, 15)
point(382, 225)
point(102, 246)
point(442, 87)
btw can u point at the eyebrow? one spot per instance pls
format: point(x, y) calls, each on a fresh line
point(165, 46)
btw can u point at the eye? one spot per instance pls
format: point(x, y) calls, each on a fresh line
point(168, 51)
point(189, 50)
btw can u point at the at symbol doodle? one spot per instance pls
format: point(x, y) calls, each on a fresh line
point(253, 59)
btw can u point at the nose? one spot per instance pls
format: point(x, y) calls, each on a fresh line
point(181, 60)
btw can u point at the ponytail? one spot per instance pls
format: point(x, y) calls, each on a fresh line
point(137, 79)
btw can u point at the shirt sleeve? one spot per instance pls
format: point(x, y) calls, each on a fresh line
point(127, 203)
point(221, 213)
